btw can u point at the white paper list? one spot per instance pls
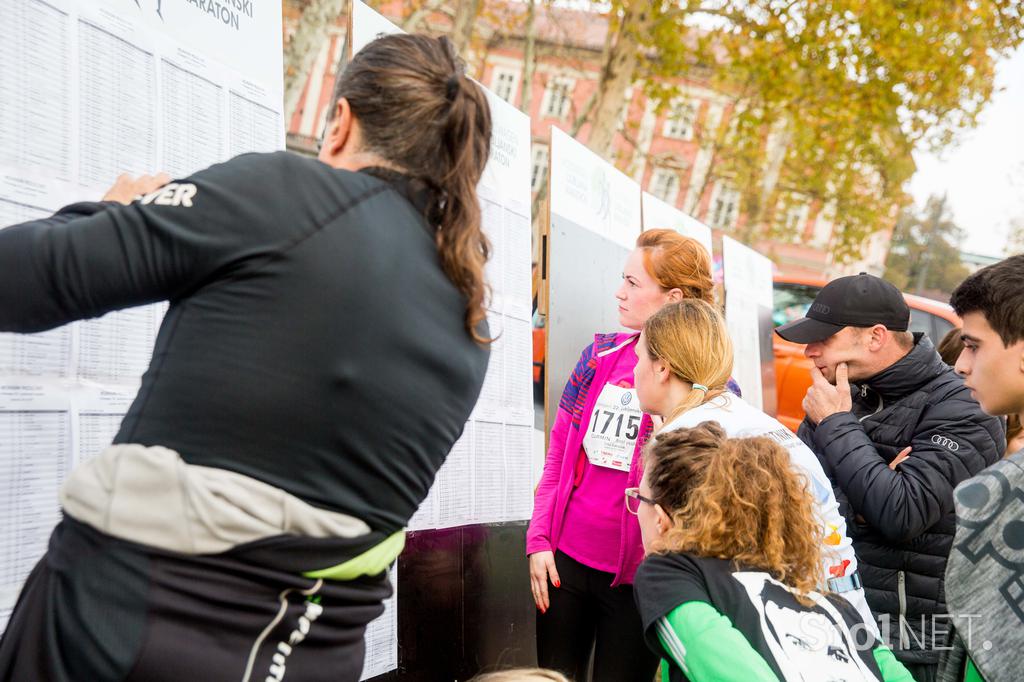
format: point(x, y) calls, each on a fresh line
point(96, 430)
point(519, 471)
point(255, 127)
point(455, 494)
point(382, 636)
point(426, 515)
point(488, 473)
point(491, 223)
point(35, 108)
point(34, 459)
point(516, 264)
point(193, 115)
point(46, 354)
point(489, 404)
point(117, 106)
point(14, 212)
point(517, 379)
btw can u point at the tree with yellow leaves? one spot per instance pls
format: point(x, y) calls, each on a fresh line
point(829, 96)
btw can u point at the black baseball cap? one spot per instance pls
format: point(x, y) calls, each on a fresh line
point(856, 301)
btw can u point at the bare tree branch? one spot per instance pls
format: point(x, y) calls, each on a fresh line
point(412, 22)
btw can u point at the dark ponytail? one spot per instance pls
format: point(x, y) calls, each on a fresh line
point(422, 114)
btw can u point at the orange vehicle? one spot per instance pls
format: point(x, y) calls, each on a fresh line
point(792, 298)
point(538, 353)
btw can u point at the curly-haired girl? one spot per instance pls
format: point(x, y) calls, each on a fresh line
point(728, 589)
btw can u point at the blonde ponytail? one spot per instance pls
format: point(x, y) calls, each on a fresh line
point(691, 338)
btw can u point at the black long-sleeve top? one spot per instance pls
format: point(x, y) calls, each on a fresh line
point(312, 342)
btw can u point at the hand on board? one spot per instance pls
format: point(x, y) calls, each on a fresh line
point(127, 189)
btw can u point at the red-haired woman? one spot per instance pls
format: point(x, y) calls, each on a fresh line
point(583, 547)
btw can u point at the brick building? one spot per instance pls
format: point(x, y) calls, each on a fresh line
point(667, 152)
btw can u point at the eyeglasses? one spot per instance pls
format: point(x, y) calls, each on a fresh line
point(634, 498)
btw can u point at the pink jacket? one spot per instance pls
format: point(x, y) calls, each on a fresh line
point(559, 478)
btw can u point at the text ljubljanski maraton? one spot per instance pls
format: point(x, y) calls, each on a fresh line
point(229, 12)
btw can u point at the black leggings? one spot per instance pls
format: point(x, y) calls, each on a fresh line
point(585, 613)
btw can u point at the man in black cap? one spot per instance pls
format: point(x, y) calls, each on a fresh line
point(894, 443)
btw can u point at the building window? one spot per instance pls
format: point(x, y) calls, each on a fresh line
point(796, 219)
point(712, 121)
point(679, 121)
point(504, 83)
point(539, 167)
point(557, 97)
point(724, 208)
point(664, 184)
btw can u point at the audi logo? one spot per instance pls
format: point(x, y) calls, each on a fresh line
point(947, 443)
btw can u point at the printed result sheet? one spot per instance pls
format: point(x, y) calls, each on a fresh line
point(90, 89)
point(381, 641)
point(488, 476)
point(35, 456)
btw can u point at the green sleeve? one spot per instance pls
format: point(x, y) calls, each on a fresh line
point(971, 672)
point(892, 670)
point(705, 645)
point(666, 672)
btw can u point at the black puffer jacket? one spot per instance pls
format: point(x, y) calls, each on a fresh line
point(902, 522)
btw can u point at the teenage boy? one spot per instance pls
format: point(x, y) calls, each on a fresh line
point(985, 574)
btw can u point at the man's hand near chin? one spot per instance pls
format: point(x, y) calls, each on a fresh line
point(823, 399)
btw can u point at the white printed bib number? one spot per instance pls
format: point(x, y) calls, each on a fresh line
point(613, 429)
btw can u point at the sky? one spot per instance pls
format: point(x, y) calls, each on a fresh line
point(983, 173)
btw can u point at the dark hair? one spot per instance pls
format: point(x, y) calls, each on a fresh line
point(950, 347)
point(422, 114)
point(997, 292)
